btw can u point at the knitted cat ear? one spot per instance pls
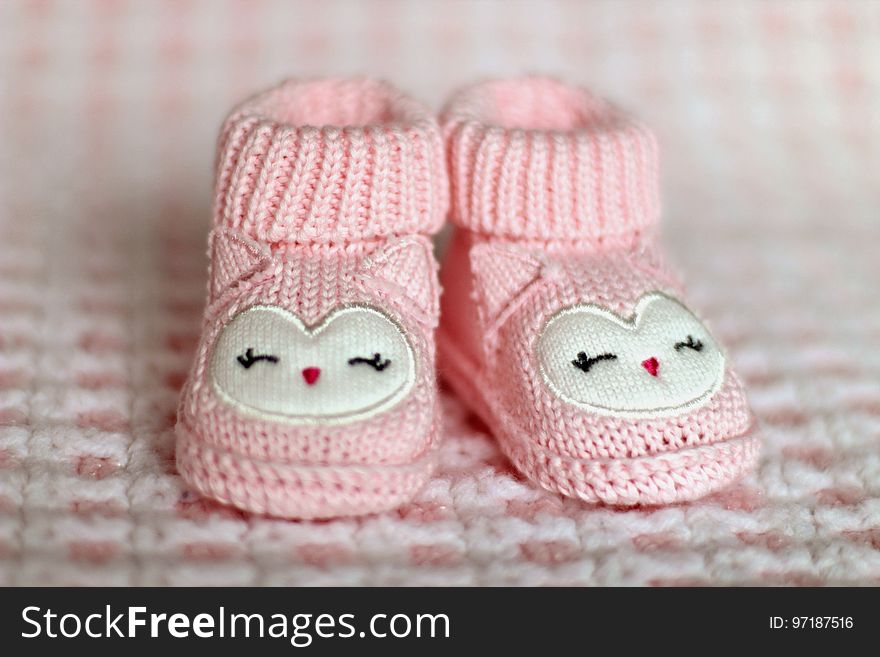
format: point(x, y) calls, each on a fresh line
point(233, 258)
point(406, 270)
point(502, 273)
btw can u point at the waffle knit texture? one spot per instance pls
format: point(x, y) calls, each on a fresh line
point(523, 258)
point(325, 192)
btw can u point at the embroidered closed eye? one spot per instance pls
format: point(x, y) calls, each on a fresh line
point(375, 362)
point(584, 362)
point(690, 343)
point(248, 358)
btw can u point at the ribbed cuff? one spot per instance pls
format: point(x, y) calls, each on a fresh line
point(533, 158)
point(330, 161)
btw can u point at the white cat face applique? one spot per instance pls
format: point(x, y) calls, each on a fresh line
point(661, 361)
point(355, 364)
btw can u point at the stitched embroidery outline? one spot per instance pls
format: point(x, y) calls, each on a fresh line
point(219, 371)
point(248, 359)
point(547, 356)
point(584, 363)
point(375, 362)
point(690, 343)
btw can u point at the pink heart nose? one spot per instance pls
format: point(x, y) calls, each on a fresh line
point(652, 365)
point(311, 374)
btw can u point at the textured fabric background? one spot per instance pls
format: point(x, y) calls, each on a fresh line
point(769, 120)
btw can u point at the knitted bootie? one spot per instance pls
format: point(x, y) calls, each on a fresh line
point(561, 324)
point(313, 389)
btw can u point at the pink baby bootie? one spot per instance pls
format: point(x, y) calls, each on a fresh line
point(313, 390)
point(561, 324)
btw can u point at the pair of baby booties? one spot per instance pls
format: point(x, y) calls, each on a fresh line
point(313, 393)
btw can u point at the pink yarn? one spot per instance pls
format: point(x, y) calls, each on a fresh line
point(329, 161)
point(311, 218)
point(555, 198)
point(535, 158)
